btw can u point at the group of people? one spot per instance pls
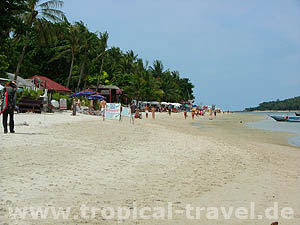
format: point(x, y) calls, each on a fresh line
point(135, 112)
point(197, 112)
point(8, 104)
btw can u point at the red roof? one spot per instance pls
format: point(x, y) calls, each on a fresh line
point(50, 84)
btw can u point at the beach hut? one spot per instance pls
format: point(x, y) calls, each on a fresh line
point(46, 83)
point(111, 92)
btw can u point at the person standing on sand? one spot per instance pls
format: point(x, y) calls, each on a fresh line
point(11, 91)
point(193, 115)
point(185, 114)
point(121, 109)
point(147, 111)
point(132, 112)
point(102, 108)
point(153, 112)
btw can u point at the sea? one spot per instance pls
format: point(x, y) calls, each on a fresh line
point(270, 124)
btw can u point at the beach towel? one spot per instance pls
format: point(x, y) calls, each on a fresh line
point(3, 101)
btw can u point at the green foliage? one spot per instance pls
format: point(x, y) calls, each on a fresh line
point(9, 17)
point(104, 79)
point(57, 96)
point(287, 104)
point(29, 93)
point(72, 55)
point(3, 66)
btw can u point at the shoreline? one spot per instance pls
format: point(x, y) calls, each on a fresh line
point(236, 130)
point(271, 111)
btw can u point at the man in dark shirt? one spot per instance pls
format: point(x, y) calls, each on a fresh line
point(11, 89)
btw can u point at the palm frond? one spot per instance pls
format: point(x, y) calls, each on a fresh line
point(52, 4)
point(49, 14)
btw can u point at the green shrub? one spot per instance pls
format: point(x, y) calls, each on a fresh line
point(29, 93)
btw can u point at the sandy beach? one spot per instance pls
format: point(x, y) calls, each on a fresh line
point(65, 161)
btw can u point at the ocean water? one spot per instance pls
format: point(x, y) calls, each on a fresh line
point(272, 125)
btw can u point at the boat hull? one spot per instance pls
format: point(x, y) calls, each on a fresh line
point(293, 119)
point(279, 118)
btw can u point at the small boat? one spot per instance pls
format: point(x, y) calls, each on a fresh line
point(297, 113)
point(279, 118)
point(286, 118)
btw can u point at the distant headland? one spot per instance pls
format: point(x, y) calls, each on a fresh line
point(278, 105)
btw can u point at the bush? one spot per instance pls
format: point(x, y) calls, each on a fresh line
point(29, 93)
point(57, 96)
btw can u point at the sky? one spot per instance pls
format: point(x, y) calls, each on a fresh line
point(236, 53)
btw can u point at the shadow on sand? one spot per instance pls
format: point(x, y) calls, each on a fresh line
point(29, 133)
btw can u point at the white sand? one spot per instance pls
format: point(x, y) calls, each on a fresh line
point(65, 161)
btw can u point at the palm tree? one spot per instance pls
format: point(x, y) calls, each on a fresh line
point(73, 34)
point(157, 69)
point(103, 44)
point(85, 42)
point(36, 14)
point(70, 46)
point(170, 88)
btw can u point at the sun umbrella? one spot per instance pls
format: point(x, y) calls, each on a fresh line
point(79, 94)
point(94, 97)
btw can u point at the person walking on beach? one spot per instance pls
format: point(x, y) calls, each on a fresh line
point(169, 110)
point(185, 114)
point(132, 112)
point(11, 93)
point(153, 112)
point(102, 108)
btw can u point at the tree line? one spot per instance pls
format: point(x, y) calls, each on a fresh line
point(37, 39)
point(287, 104)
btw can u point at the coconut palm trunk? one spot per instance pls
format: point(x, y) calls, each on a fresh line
point(82, 69)
point(71, 70)
point(21, 57)
point(101, 68)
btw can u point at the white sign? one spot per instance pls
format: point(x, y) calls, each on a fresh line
point(63, 103)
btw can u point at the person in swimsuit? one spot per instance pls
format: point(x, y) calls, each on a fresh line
point(193, 115)
point(185, 114)
point(153, 112)
point(102, 108)
point(147, 111)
